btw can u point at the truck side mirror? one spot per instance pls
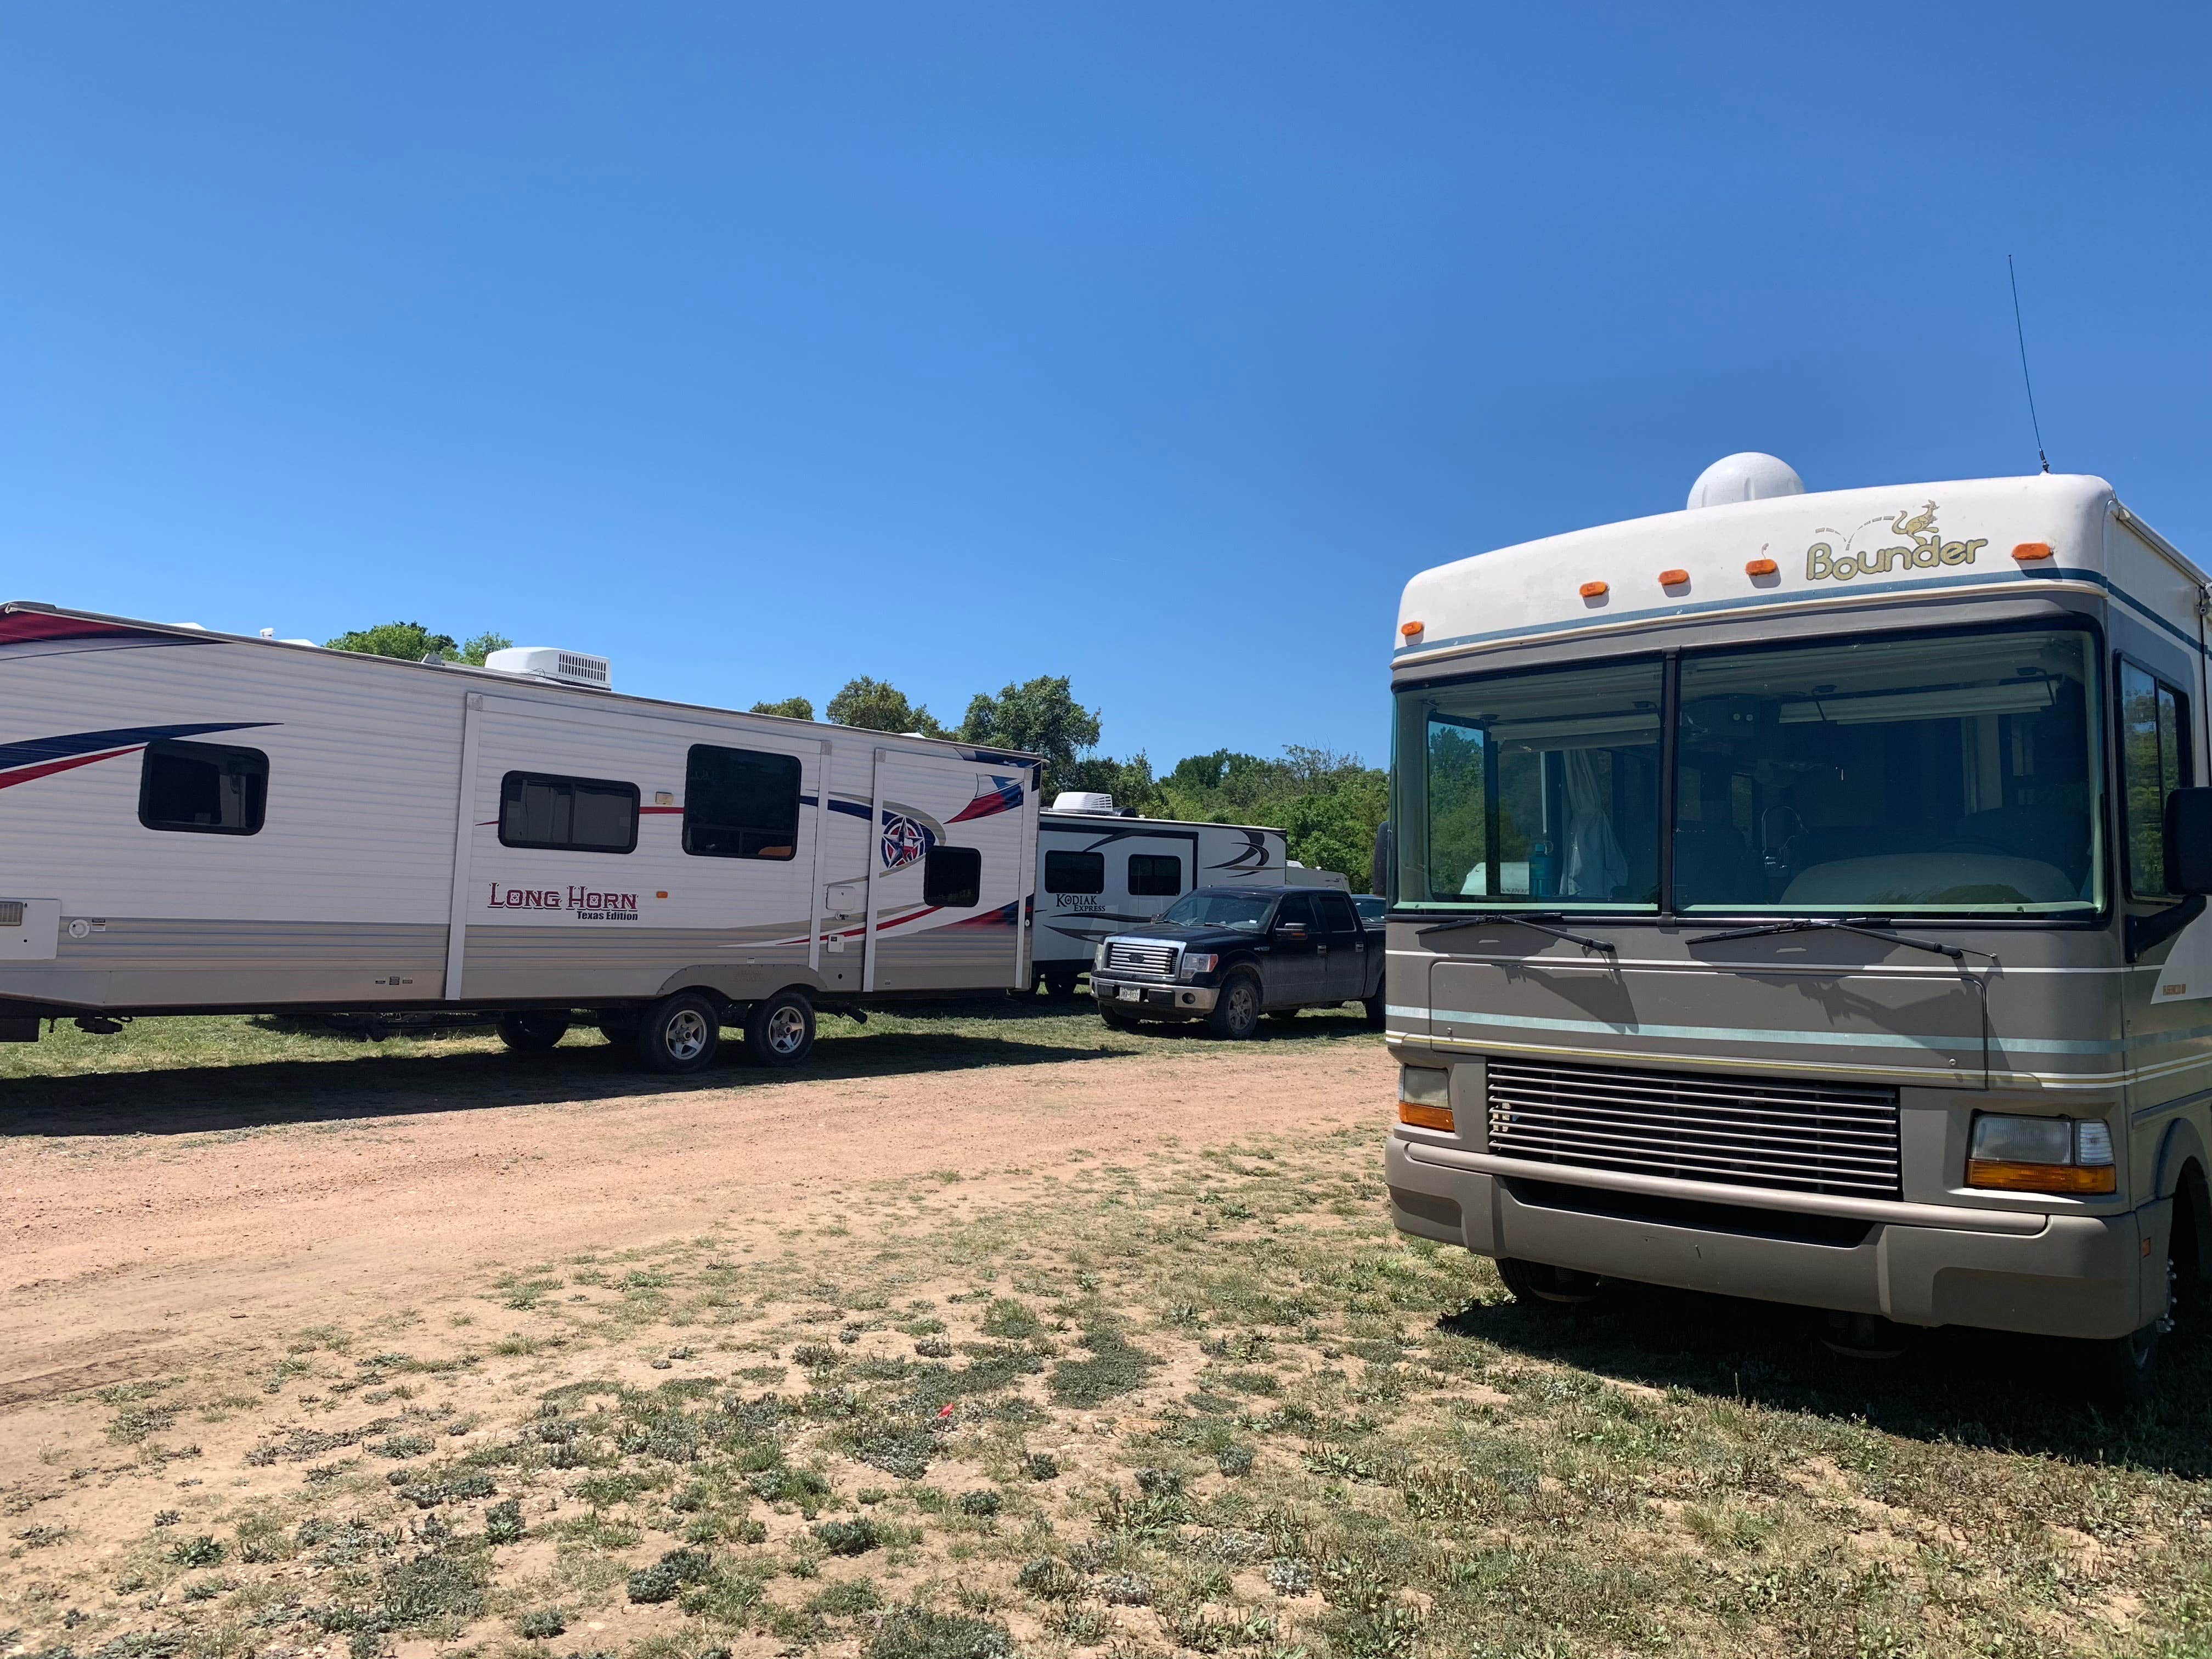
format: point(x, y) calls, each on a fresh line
point(2189, 840)
point(1289, 930)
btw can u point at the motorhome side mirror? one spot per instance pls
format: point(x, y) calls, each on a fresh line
point(1289, 930)
point(2189, 840)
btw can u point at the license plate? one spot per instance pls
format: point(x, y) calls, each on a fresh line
point(1132, 994)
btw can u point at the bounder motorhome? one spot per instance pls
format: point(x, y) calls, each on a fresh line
point(201, 823)
point(1798, 896)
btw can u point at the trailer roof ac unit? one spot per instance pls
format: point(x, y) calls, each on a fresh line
point(1082, 800)
point(548, 662)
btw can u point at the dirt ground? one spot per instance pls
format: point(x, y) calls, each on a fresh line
point(140, 1240)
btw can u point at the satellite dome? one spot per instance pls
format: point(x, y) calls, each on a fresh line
point(1749, 477)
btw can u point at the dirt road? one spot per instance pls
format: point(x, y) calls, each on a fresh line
point(145, 1227)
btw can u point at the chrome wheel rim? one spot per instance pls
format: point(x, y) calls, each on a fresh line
point(1243, 1004)
point(687, 1034)
point(787, 1030)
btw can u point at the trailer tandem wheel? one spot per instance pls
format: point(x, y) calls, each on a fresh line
point(779, 1029)
point(680, 1033)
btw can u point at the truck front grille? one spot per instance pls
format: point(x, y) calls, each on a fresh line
point(1744, 1132)
point(1127, 959)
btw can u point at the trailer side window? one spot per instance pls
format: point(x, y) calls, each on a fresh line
point(1154, 875)
point(209, 788)
point(567, 815)
point(740, 804)
point(1074, 873)
point(2154, 764)
point(952, 876)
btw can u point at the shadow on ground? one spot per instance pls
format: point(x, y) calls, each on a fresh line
point(1951, 1386)
point(203, 1099)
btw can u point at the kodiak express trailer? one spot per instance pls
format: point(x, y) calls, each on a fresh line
point(199, 823)
point(1800, 896)
point(1100, 871)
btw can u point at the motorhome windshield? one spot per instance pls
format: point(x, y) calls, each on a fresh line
point(1950, 774)
point(1221, 911)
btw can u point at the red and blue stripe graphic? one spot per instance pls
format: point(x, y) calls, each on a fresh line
point(40, 757)
point(994, 795)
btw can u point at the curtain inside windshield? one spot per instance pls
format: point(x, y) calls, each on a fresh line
point(1949, 773)
point(1534, 788)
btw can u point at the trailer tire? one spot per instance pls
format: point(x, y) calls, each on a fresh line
point(1237, 1011)
point(680, 1034)
point(779, 1029)
point(618, 1031)
point(530, 1032)
point(1060, 983)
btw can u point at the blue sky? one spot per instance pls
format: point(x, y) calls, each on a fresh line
point(1158, 345)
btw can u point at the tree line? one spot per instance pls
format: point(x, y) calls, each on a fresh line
point(1328, 804)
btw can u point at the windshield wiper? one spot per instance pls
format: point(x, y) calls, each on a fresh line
point(1536, 920)
point(1868, 927)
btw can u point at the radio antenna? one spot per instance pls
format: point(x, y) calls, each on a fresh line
point(2020, 333)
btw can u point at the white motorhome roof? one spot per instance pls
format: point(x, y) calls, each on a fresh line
point(491, 678)
point(1786, 552)
point(1114, 821)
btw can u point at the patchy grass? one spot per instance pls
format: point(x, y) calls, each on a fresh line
point(1211, 1405)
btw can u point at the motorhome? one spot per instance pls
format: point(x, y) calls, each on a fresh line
point(1100, 870)
point(197, 822)
point(1800, 896)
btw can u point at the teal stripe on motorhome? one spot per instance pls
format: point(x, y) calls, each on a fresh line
point(1738, 1034)
point(1658, 613)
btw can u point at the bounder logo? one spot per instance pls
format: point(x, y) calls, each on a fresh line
point(1927, 550)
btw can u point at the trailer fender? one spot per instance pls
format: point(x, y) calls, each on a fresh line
point(2180, 1175)
point(738, 982)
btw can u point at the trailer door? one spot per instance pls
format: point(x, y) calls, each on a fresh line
point(949, 875)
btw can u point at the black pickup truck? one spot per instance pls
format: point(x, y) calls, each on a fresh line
point(1226, 955)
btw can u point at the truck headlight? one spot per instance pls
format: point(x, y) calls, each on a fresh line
point(1195, 962)
point(2042, 1155)
point(1425, 1097)
point(1098, 956)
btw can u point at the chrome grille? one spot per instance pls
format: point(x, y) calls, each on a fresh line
point(1141, 959)
point(1742, 1131)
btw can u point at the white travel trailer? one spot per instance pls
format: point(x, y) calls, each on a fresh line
point(1100, 871)
point(1800, 896)
point(202, 822)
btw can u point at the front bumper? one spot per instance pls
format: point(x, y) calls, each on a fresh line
point(1154, 998)
point(2050, 1275)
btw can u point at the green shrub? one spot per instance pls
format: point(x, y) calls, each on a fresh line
point(848, 1537)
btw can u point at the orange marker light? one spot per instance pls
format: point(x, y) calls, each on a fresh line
point(1761, 568)
point(1410, 628)
point(1674, 578)
point(2028, 550)
point(1425, 1117)
point(661, 895)
point(1593, 590)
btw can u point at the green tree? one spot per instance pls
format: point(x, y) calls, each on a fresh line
point(1328, 804)
point(411, 643)
point(1130, 782)
point(1041, 716)
point(792, 708)
point(879, 706)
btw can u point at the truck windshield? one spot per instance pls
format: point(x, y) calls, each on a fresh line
point(1949, 773)
point(1219, 910)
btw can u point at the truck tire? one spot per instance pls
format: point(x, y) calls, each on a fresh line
point(528, 1031)
point(680, 1034)
point(1118, 1022)
point(1237, 1011)
point(1537, 1284)
point(779, 1029)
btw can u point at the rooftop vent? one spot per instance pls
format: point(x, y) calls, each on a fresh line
point(1749, 477)
point(547, 662)
point(1082, 800)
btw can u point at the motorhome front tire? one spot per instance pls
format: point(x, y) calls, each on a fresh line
point(680, 1033)
point(779, 1029)
point(532, 1032)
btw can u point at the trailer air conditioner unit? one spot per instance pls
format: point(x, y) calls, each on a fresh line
point(1082, 800)
point(547, 662)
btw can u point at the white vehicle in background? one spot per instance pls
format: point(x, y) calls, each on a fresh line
point(202, 822)
point(1100, 871)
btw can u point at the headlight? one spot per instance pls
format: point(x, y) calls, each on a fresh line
point(2042, 1155)
point(1099, 956)
point(1195, 962)
point(1425, 1097)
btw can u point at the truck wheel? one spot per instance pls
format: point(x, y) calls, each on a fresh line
point(1533, 1283)
point(1377, 1011)
point(779, 1030)
point(1237, 1011)
point(530, 1032)
point(1118, 1022)
point(680, 1034)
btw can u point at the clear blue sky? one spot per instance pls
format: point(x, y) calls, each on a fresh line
point(760, 347)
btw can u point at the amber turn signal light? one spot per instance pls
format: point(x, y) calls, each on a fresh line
point(2075, 1180)
point(1760, 567)
point(2028, 550)
point(1409, 629)
point(1674, 578)
point(1592, 590)
point(1425, 1117)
